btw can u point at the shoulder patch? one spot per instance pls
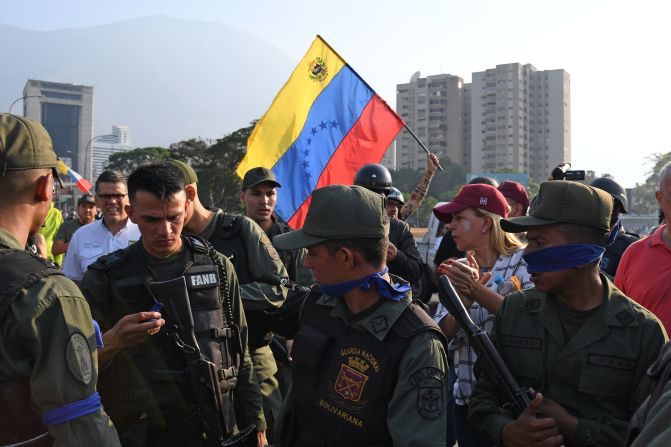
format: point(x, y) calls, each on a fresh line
point(78, 358)
point(430, 384)
point(272, 252)
point(532, 305)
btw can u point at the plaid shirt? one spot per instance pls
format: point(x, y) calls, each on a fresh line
point(460, 347)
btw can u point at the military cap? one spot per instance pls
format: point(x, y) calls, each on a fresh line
point(339, 212)
point(86, 198)
point(189, 174)
point(25, 144)
point(259, 175)
point(569, 202)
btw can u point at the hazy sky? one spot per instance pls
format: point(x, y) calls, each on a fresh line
point(616, 52)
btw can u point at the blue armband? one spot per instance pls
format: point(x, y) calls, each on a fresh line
point(74, 410)
point(99, 335)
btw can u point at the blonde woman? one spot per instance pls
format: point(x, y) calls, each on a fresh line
point(493, 267)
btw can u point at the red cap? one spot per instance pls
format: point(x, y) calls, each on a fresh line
point(516, 192)
point(484, 197)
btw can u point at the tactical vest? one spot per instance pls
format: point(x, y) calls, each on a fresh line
point(227, 239)
point(343, 379)
point(611, 258)
point(18, 421)
point(149, 380)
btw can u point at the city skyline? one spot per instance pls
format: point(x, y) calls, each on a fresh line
point(612, 50)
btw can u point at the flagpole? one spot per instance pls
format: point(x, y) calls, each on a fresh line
point(420, 142)
point(368, 85)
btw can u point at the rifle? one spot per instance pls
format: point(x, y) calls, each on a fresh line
point(203, 373)
point(517, 397)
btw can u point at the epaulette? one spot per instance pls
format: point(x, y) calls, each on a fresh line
point(109, 261)
point(415, 320)
point(198, 244)
point(229, 220)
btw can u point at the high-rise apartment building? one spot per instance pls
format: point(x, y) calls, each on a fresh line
point(66, 111)
point(511, 117)
point(519, 119)
point(106, 145)
point(432, 108)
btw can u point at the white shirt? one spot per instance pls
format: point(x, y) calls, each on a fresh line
point(92, 241)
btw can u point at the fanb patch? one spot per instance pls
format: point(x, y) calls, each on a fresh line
point(270, 249)
point(78, 358)
point(430, 392)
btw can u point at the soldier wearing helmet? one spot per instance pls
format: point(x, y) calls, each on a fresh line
point(403, 258)
point(611, 258)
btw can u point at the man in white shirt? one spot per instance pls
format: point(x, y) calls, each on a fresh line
point(112, 232)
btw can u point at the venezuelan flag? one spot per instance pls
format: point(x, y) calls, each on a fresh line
point(83, 184)
point(323, 125)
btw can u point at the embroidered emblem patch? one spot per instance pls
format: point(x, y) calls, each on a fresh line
point(78, 358)
point(317, 69)
point(351, 380)
point(483, 200)
point(430, 392)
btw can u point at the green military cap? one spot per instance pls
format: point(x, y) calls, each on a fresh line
point(259, 175)
point(24, 144)
point(339, 212)
point(189, 174)
point(565, 202)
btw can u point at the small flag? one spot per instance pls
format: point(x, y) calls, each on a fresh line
point(323, 125)
point(83, 184)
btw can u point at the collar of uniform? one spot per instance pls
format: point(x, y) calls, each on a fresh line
point(9, 240)
point(619, 311)
point(656, 237)
point(378, 323)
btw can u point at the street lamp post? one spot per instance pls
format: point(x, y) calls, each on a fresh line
point(89, 156)
point(21, 98)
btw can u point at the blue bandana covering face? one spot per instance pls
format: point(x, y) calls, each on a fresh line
point(565, 257)
point(386, 290)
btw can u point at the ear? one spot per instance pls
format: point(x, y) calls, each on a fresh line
point(658, 196)
point(242, 195)
point(129, 211)
point(345, 257)
point(44, 188)
point(191, 193)
point(487, 224)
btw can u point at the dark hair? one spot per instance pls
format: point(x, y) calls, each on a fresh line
point(484, 181)
point(373, 250)
point(580, 234)
point(161, 179)
point(110, 177)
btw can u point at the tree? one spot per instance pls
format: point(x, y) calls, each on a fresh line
point(215, 163)
point(126, 162)
point(643, 200)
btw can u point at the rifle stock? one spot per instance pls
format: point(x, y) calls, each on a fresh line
point(495, 366)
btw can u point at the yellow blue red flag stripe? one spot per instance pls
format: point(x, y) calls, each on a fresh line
point(323, 125)
point(83, 184)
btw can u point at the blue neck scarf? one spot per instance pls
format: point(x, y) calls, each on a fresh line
point(387, 290)
point(564, 257)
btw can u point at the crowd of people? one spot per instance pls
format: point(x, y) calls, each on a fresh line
point(173, 324)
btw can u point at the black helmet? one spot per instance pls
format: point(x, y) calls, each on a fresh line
point(375, 177)
point(614, 189)
point(484, 181)
point(395, 194)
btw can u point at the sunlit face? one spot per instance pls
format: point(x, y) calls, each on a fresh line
point(663, 197)
point(259, 201)
point(393, 207)
point(160, 222)
point(112, 199)
point(544, 237)
point(324, 265)
point(467, 230)
point(86, 212)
